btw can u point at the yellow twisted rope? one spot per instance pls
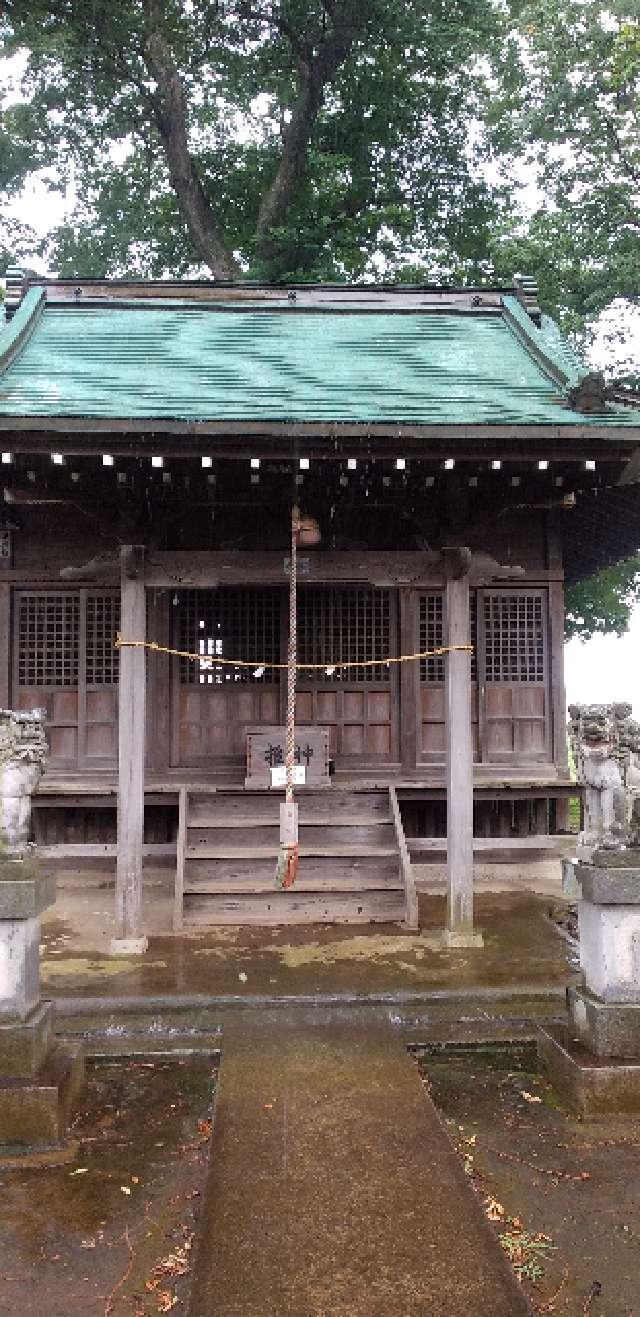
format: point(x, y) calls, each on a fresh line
point(216, 661)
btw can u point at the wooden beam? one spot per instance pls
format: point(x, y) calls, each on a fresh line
point(563, 443)
point(98, 850)
point(459, 927)
point(131, 755)
point(190, 570)
point(481, 845)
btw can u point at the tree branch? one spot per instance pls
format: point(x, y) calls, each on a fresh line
point(316, 67)
point(171, 120)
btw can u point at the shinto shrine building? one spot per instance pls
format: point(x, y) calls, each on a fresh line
point(461, 466)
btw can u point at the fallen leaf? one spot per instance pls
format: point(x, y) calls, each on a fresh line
point(494, 1209)
point(166, 1301)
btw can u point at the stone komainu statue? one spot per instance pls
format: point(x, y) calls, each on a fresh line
point(605, 743)
point(23, 754)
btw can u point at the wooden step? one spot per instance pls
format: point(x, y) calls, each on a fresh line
point(381, 880)
point(294, 907)
point(257, 821)
point(212, 851)
point(238, 839)
point(317, 871)
point(329, 805)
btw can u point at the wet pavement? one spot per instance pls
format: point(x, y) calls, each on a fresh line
point(563, 1194)
point(111, 1231)
point(334, 1188)
point(521, 949)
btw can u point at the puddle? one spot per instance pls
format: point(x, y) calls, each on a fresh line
point(368, 948)
point(82, 967)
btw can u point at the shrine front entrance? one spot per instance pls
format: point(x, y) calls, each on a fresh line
point(213, 704)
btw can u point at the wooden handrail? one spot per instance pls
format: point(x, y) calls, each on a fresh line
point(406, 871)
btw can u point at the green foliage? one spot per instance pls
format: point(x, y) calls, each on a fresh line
point(393, 172)
point(604, 602)
point(387, 171)
point(567, 112)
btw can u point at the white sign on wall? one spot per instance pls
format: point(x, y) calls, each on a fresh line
point(279, 775)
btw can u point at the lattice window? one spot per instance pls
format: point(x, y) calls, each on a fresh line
point(238, 623)
point(514, 637)
point(48, 640)
point(431, 633)
point(344, 624)
point(102, 626)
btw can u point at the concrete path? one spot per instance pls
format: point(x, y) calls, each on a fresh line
point(334, 1189)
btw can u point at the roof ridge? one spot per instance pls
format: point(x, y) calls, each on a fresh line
point(551, 350)
point(20, 327)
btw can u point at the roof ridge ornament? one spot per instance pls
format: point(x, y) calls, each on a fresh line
point(527, 294)
point(15, 285)
point(590, 394)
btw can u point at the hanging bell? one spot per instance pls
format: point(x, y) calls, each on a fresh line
point(308, 530)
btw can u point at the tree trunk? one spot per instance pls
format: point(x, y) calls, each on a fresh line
point(171, 120)
point(315, 71)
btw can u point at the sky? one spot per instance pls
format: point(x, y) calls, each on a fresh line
point(600, 670)
point(605, 669)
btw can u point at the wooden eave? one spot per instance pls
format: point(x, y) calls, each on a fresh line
point(319, 439)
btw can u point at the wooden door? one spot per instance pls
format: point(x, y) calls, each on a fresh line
point(359, 705)
point(65, 661)
point(513, 659)
point(432, 744)
point(212, 703)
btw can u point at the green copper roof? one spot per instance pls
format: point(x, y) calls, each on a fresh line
point(184, 361)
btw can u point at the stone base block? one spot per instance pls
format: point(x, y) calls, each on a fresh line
point(35, 1112)
point(19, 967)
point(609, 1029)
point(609, 947)
point(571, 885)
point(454, 941)
point(25, 889)
point(589, 1085)
point(128, 946)
point(24, 1043)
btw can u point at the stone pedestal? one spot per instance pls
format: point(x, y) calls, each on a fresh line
point(594, 1061)
point(39, 1080)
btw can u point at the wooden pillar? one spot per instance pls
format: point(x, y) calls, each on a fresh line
point(409, 676)
point(129, 937)
point(459, 927)
point(5, 645)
